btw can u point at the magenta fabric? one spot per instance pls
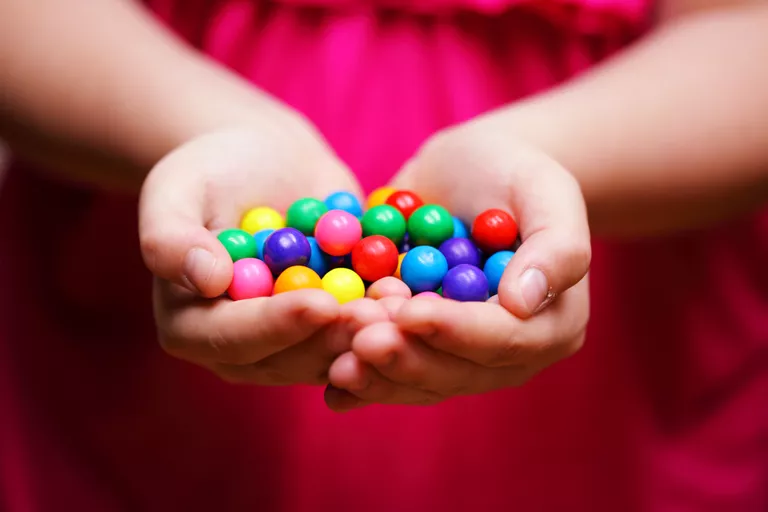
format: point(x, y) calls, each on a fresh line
point(663, 410)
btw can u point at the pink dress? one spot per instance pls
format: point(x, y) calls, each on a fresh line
point(664, 410)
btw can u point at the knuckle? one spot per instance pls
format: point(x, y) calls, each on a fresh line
point(507, 353)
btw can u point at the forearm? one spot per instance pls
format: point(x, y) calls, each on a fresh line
point(671, 134)
point(96, 90)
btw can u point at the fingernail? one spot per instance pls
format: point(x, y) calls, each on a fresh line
point(534, 289)
point(198, 267)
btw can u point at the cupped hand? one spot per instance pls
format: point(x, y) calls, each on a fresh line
point(433, 349)
point(206, 185)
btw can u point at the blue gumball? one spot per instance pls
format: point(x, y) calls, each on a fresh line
point(261, 237)
point(318, 260)
point(459, 228)
point(423, 269)
point(344, 201)
point(494, 268)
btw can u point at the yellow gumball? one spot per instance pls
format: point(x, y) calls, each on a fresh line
point(263, 217)
point(379, 196)
point(344, 284)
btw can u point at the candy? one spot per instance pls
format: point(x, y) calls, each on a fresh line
point(423, 269)
point(384, 220)
point(430, 224)
point(238, 243)
point(465, 283)
point(260, 237)
point(304, 214)
point(344, 284)
point(285, 248)
point(318, 260)
point(405, 201)
point(494, 230)
point(251, 278)
point(460, 250)
point(459, 228)
point(399, 264)
point(337, 232)
point(428, 295)
point(344, 201)
point(335, 245)
point(494, 268)
point(297, 278)
point(374, 257)
point(379, 196)
point(261, 218)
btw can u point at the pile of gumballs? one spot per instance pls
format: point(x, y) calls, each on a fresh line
point(336, 246)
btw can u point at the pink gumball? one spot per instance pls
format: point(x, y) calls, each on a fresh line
point(337, 232)
point(428, 295)
point(252, 278)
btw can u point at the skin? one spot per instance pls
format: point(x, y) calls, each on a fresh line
point(634, 176)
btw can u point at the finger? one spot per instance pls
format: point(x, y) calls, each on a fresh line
point(392, 305)
point(368, 386)
point(241, 332)
point(389, 287)
point(175, 243)
point(308, 362)
point(489, 335)
point(556, 251)
point(406, 361)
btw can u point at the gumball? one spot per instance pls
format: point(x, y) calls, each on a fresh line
point(318, 260)
point(460, 250)
point(340, 261)
point(459, 228)
point(386, 221)
point(261, 218)
point(285, 248)
point(297, 278)
point(344, 284)
point(465, 283)
point(399, 265)
point(344, 201)
point(494, 230)
point(260, 237)
point(430, 224)
point(423, 269)
point(379, 196)
point(374, 257)
point(405, 245)
point(238, 243)
point(494, 268)
point(304, 214)
point(428, 295)
point(251, 278)
point(337, 232)
point(405, 201)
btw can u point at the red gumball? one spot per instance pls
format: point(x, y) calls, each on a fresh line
point(405, 201)
point(494, 230)
point(374, 257)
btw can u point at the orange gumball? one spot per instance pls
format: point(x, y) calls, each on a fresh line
point(399, 262)
point(297, 278)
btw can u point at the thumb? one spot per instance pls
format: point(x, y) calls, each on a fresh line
point(555, 253)
point(175, 244)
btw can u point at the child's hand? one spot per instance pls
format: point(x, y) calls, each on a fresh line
point(434, 349)
point(206, 185)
